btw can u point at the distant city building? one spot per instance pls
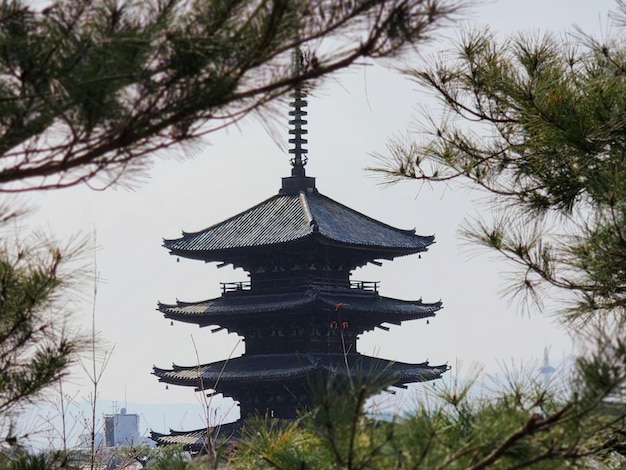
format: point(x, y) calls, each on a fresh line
point(300, 313)
point(121, 429)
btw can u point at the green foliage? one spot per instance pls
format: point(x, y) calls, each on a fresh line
point(35, 346)
point(540, 126)
point(41, 461)
point(169, 458)
point(520, 424)
point(90, 88)
point(537, 124)
point(335, 434)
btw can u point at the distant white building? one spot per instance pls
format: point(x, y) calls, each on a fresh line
point(121, 429)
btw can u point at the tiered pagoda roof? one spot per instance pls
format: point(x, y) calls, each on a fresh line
point(233, 308)
point(195, 441)
point(297, 217)
point(280, 367)
point(300, 313)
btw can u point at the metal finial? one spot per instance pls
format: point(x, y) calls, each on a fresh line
point(297, 111)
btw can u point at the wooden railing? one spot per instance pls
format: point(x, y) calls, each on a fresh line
point(276, 284)
point(235, 286)
point(365, 285)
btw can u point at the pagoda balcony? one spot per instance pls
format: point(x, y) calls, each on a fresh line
point(228, 287)
point(289, 284)
point(365, 285)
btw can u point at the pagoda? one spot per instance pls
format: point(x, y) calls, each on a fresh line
point(299, 312)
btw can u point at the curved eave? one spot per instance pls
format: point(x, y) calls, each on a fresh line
point(215, 311)
point(208, 375)
point(245, 369)
point(192, 439)
point(189, 443)
point(293, 218)
point(205, 312)
point(196, 439)
point(403, 309)
point(228, 255)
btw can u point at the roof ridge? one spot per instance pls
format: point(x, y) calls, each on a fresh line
point(307, 211)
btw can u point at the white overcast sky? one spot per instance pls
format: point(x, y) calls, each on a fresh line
point(350, 116)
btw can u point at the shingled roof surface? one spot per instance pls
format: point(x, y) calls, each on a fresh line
point(290, 366)
point(350, 299)
point(290, 217)
point(196, 440)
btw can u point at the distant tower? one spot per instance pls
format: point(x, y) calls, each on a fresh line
point(546, 369)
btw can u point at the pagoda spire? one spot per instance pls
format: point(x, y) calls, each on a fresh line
point(298, 181)
point(297, 123)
